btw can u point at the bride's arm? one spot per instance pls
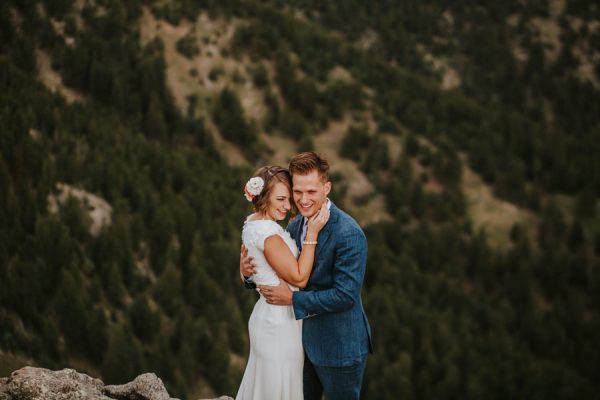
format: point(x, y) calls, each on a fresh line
point(280, 257)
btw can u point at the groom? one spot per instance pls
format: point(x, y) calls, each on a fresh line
point(336, 334)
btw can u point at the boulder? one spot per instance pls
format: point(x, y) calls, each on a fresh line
point(4, 389)
point(144, 387)
point(42, 384)
point(31, 383)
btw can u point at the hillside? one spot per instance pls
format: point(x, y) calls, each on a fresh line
point(463, 138)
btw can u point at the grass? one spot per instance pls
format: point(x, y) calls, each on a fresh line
point(214, 37)
point(491, 214)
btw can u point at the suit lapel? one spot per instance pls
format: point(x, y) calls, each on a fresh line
point(323, 239)
point(327, 231)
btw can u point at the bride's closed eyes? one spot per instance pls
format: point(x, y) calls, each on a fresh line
point(279, 202)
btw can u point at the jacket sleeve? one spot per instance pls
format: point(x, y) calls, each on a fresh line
point(348, 273)
point(249, 284)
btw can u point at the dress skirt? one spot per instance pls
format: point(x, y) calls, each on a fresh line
point(274, 369)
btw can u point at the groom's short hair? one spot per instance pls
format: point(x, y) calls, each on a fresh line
point(308, 161)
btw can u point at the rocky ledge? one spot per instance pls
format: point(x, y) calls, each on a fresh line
point(42, 384)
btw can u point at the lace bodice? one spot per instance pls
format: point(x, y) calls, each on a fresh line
point(254, 234)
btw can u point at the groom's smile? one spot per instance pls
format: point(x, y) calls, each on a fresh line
point(310, 192)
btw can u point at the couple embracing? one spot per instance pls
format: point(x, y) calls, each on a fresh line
point(309, 334)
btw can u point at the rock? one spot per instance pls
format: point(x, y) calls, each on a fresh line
point(4, 389)
point(144, 387)
point(31, 383)
point(42, 384)
point(99, 210)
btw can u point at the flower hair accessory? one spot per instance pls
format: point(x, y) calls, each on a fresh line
point(253, 187)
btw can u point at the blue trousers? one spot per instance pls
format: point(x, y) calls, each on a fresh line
point(337, 383)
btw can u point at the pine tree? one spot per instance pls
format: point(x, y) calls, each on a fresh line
point(76, 218)
point(71, 305)
point(96, 335)
point(585, 206)
point(229, 116)
point(144, 322)
point(5, 184)
point(123, 360)
point(113, 286)
point(168, 288)
point(154, 120)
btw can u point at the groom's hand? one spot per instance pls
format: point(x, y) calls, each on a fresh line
point(247, 267)
point(278, 295)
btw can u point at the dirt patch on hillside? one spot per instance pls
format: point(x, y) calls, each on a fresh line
point(98, 209)
point(395, 146)
point(358, 185)
point(450, 79)
point(549, 33)
point(207, 73)
point(283, 149)
point(556, 7)
point(487, 212)
point(52, 79)
point(232, 153)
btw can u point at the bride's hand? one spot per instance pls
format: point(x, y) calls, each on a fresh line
point(318, 221)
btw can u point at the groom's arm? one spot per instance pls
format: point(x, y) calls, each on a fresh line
point(247, 268)
point(348, 274)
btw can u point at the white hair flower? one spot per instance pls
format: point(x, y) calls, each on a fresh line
point(253, 187)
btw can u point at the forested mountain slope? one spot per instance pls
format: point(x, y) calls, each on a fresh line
point(464, 138)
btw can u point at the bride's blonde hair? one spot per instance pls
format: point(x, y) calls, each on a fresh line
point(271, 174)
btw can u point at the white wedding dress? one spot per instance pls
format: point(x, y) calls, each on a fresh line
point(274, 369)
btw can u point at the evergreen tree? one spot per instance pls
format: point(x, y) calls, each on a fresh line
point(229, 116)
point(292, 124)
point(552, 227)
point(114, 288)
point(96, 334)
point(24, 291)
point(71, 305)
point(5, 184)
point(585, 207)
point(154, 120)
point(123, 360)
point(144, 322)
point(168, 288)
point(75, 218)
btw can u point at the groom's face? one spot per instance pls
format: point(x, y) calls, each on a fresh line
point(310, 192)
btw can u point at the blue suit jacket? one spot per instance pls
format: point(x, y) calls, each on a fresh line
point(335, 330)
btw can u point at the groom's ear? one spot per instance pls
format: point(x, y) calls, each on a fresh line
point(327, 187)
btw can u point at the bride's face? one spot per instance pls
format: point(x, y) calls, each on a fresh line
point(279, 202)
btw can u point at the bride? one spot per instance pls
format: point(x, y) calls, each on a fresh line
point(274, 369)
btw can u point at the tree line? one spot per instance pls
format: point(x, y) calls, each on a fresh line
point(453, 316)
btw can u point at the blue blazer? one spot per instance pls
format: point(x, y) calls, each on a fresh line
point(335, 330)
